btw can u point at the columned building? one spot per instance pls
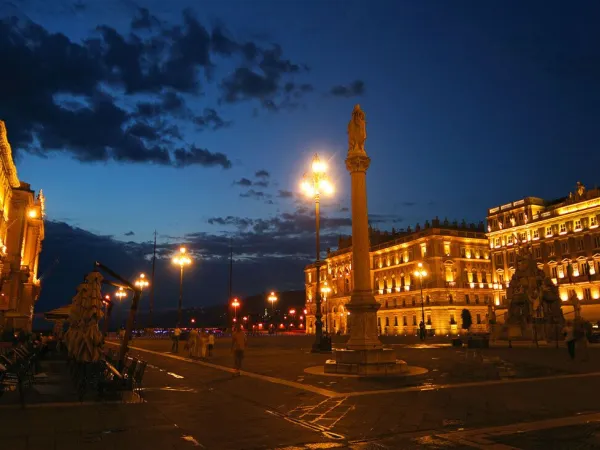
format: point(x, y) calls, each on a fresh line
point(563, 236)
point(21, 236)
point(459, 275)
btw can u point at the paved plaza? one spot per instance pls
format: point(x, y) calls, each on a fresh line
point(497, 398)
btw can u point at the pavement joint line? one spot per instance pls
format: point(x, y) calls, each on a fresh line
point(480, 437)
point(469, 384)
point(293, 384)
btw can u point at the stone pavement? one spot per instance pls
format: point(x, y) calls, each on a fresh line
point(89, 427)
point(499, 398)
point(498, 388)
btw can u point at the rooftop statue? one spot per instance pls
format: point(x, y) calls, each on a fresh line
point(357, 131)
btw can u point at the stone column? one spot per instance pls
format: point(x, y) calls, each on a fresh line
point(362, 306)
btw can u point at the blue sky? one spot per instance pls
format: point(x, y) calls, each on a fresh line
point(469, 104)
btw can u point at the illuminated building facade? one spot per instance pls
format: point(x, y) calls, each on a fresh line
point(563, 236)
point(21, 236)
point(459, 275)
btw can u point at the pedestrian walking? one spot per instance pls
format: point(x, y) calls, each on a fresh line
point(192, 343)
point(569, 333)
point(203, 342)
point(175, 337)
point(238, 346)
point(211, 343)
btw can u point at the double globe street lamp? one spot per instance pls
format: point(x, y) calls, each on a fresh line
point(313, 185)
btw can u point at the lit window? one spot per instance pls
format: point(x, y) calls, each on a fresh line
point(497, 242)
point(536, 234)
point(554, 272)
point(578, 225)
point(423, 250)
point(593, 222)
point(548, 231)
point(563, 228)
point(510, 240)
point(447, 248)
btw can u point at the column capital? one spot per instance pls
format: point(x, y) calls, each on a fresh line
point(357, 162)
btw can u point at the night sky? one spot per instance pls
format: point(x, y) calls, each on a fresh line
point(199, 123)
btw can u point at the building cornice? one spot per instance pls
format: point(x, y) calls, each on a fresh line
point(7, 159)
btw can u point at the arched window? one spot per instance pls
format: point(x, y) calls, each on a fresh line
point(387, 321)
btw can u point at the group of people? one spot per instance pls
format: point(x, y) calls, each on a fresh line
point(201, 344)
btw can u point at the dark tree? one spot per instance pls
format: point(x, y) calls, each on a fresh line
point(467, 321)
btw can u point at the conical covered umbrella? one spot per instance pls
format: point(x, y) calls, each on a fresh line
point(88, 348)
point(72, 334)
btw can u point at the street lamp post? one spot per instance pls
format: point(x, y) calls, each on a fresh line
point(182, 260)
point(325, 290)
point(107, 309)
point(313, 185)
point(235, 304)
point(421, 273)
point(272, 298)
point(141, 283)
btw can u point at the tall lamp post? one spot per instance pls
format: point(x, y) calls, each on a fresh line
point(107, 309)
point(182, 260)
point(235, 304)
point(272, 298)
point(421, 273)
point(313, 185)
point(325, 290)
point(141, 283)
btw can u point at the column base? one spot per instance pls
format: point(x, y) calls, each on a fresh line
point(363, 322)
point(378, 362)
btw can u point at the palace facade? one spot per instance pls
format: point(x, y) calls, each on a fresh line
point(459, 275)
point(564, 238)
point(21, 236)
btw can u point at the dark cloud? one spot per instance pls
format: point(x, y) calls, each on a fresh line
point(263, 80)
point(352, 90)
point(344, 209)
point(261, 183)
point(129, 233)
point(262, 173)
point(144, 20)
point(243, 182)
point(408, 203)
point(54, 99)
point(200, 156)
point(285, 194)
point(259, 195)
point(211, 119)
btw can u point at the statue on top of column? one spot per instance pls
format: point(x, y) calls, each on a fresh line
point(357, 131)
